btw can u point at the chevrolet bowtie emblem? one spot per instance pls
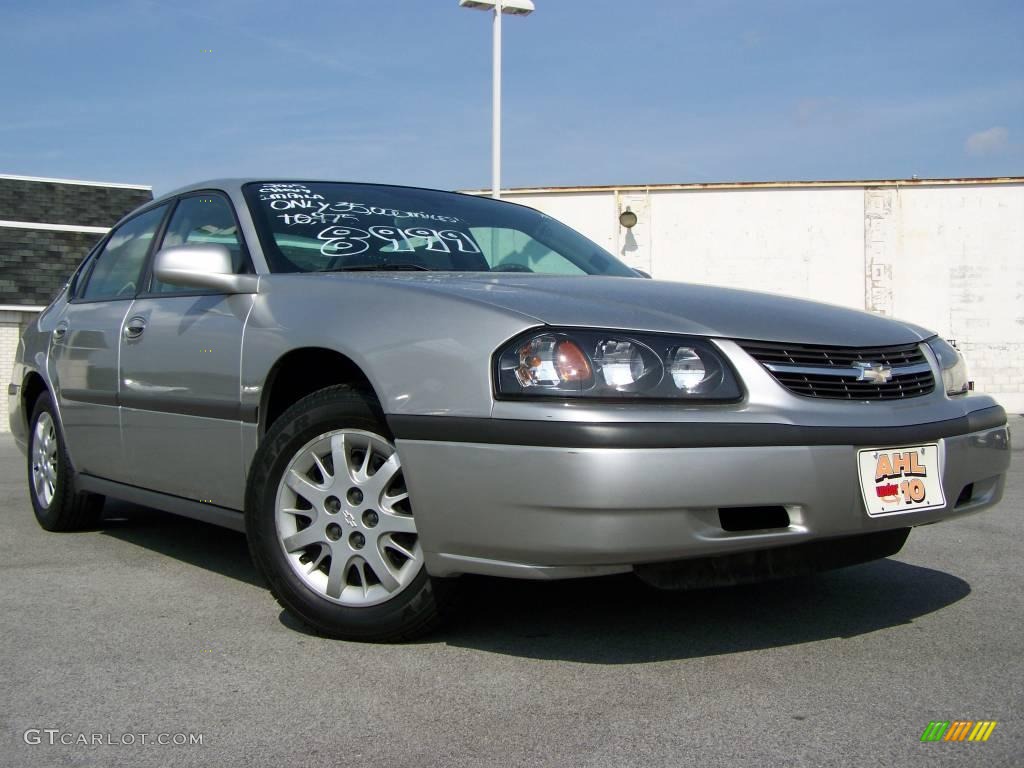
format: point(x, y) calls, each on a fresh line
point(876, 373)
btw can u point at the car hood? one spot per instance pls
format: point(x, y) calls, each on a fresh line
point(666, 307)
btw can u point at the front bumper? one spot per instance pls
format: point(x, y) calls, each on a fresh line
point(539, 511)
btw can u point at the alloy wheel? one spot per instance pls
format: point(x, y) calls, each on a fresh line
point(343, 519)
point(44, 460)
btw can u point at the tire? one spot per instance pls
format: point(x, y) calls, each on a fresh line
point(339, 549)
point(51, 482)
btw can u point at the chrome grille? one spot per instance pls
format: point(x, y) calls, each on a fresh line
point(833, 372)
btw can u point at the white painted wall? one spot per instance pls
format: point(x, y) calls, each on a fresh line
point(946, 256)
point(11, 325)
point(795, 242)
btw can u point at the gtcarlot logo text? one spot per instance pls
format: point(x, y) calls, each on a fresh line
point(56, 736)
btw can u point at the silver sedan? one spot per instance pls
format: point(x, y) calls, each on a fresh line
point(387, 387)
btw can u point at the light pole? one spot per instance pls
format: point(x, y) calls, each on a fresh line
point(498, 7)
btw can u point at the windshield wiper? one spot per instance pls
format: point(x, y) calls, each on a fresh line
point(399, 267)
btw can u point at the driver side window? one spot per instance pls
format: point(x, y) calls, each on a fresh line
point(115, 272)
point(203, 218)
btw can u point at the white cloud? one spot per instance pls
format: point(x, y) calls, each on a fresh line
point(988, 142)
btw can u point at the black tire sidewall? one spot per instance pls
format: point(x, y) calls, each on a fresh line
point(309, 418)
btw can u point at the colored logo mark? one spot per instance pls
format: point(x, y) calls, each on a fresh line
point(958, 730)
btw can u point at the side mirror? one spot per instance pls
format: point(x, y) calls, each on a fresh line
point(201, 266)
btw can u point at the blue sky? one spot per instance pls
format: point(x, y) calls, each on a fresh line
point(596, 91)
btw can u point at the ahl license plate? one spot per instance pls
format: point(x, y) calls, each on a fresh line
point(894, 480)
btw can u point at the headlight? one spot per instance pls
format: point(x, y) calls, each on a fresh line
point(613, 364)
point(954, 369)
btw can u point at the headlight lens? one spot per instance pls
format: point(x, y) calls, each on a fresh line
point(954, 368)
point(694, 371)
point(626, 366)
point(614, 364)
point(550, 361)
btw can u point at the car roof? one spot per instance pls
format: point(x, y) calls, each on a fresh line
point(238, 183)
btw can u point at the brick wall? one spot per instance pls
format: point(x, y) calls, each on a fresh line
point(35, 263)
point(61, 203)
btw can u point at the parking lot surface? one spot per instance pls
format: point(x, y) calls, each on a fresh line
point(158, 626)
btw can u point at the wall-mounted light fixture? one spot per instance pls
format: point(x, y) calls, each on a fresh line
point(627, 218)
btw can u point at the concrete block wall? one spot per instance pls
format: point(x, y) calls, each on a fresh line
point(11, 325)
point(945, 255)
point(959, 268)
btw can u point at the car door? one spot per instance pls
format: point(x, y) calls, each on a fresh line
point(85, 342)
point(180, 370)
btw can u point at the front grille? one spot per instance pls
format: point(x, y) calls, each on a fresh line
point(842, 357)
point(833, 372)
point(840, 388)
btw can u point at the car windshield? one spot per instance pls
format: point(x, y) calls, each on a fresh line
point(328, 226)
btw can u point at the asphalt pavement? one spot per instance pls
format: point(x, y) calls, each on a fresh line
point(157, 628)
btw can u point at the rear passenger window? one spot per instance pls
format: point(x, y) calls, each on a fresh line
point(116, 271)
point(203, 219)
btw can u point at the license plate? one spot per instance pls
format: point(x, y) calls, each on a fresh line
point(894, 480)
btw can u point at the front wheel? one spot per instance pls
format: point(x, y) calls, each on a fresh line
point(331, 526)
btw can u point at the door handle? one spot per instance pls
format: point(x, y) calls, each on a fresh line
point(133, 328)
point(60, 331)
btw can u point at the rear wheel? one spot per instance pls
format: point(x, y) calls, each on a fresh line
point(331, 526)
point(58, 507)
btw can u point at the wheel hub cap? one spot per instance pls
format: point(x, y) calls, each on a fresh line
point(344, 521)
point(44, 460)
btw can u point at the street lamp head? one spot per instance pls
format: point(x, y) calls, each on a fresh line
point(512, 7)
